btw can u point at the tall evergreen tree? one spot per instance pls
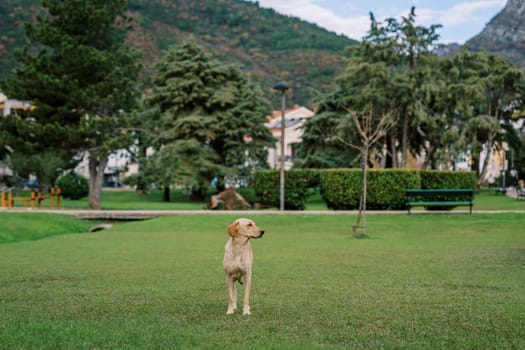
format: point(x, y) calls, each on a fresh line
point(383, 72)
point(320, 146)
point(199, 98)
point(79, 74)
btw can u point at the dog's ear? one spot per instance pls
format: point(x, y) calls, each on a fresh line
point(233, 228)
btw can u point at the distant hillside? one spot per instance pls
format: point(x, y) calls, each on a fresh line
point(505, 33)
point(267, 45)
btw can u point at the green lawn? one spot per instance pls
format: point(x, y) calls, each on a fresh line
point(418, 282)
point(16, 227)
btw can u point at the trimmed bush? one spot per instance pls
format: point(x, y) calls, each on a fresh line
point(266, 184)
point(436, 179)
point(73, 186)
point(341, 188)
point(386, 188)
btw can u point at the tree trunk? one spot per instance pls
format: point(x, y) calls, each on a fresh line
point(359, 229)
point(97, 165)
point(430, 158)
point(166, 193)
point(404, 142)
point(393, 151)
point(142, 186)
point(485, 164)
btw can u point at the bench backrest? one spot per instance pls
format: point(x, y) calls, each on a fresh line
point(444, 193)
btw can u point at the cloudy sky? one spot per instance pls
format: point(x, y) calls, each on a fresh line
point(461, 19)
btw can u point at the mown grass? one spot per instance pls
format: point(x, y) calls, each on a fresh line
point(16, 227)
point(418, 282)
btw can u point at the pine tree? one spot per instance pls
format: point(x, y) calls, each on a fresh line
point(79, 74)
point(201, 99)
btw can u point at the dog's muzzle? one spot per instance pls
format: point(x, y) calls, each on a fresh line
point(261, 233)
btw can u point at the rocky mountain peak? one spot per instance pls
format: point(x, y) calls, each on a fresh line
point(505, 33)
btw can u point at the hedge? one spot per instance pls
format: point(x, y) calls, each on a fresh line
point(436, 179)
point(266, 184)
point(341, 188)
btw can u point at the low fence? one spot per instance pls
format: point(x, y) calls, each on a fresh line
point(8, 200)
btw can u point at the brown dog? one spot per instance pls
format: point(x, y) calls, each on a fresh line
point(238, 260)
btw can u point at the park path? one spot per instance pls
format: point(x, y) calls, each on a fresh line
point(148, 214)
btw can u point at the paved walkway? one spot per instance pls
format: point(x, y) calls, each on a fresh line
point(148, 214)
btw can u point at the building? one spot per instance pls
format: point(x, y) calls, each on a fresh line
point(294, 121)
point(8, 106)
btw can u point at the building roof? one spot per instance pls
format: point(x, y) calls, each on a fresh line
point(292, 117)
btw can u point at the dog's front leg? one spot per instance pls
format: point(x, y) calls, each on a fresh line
point(232, 295)
point(247, 287)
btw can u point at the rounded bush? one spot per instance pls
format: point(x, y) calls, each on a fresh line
point(73, 186)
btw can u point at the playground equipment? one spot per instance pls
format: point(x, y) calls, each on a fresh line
point(8, 200)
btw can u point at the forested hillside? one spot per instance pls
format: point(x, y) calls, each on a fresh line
point(267, 45)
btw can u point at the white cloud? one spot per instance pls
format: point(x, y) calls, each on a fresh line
point(354, 27)
point(459, 14)
point(460, 21)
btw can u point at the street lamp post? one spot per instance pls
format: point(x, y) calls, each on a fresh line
point(282, 87)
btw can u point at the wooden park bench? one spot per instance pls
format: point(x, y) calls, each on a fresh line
point(439, 198)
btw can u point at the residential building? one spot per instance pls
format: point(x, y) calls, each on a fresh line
point(8, 106)
point(294, 121)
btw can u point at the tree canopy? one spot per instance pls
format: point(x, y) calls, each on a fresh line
point(79, 74)
point(443, 106)
point(196, 98)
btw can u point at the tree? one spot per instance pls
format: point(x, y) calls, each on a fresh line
point(436, 112)
point(199, 98)
point(401, 47)
point(384, 71)
point(369, 131)
point(320, 146)
point(80, 75)
point(45, 166)
point(184, 162)
point(490, 88)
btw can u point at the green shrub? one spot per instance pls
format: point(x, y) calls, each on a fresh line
point(266, 184)
point(341, 188)
point(73, 186)
point(247, 193)
point(386, 188)
point(436, 179)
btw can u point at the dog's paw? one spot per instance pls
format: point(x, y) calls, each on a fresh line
point(246, 311)
point(230, 311)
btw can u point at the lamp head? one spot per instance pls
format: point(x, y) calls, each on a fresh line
point(280, 86)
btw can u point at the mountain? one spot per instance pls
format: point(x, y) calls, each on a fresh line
point(504, 34)
point(270, 47)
